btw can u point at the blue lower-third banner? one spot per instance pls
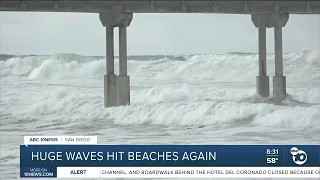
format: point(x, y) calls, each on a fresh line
point(49, 157)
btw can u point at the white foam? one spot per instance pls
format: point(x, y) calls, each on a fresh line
point(204, 90)
point(219, 68)
point(207, 99)
point(170, 106)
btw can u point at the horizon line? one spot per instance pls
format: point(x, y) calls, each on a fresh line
point(1, 54)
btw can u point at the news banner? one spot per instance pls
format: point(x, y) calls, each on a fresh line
point(83, 157)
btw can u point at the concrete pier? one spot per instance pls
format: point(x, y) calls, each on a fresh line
point(123, 89)
point(116, 88)
point(112, 14)
point(161, 6)
point(261, 22)
point(110, 79)
point(263, 80)
point(276, 21)
point(279, 80)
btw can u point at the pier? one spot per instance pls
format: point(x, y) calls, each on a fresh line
point(119, 14)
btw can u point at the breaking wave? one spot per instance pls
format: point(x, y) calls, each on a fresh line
point(197, 90)
point(228, 67)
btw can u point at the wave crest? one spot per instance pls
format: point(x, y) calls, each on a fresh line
point(220, 67)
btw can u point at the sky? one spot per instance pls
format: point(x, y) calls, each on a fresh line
point(148, 34)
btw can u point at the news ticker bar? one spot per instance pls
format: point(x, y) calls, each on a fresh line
point(170, 156)
point(172, 172)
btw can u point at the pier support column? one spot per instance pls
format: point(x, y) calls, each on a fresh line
point(261, 21)
point(116, 89)
point(123, 79)
point(276, 21)
point(279, 80)
point(263, 80)
point(110, 79)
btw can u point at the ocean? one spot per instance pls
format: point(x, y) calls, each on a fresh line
point(187, 99)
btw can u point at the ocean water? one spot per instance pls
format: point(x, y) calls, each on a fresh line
point(195, 99)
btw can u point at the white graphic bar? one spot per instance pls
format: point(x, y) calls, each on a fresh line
point(78, 172)
point(63, 140)
point(188, 172)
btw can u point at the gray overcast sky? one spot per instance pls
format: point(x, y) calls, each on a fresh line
point(48, 33)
